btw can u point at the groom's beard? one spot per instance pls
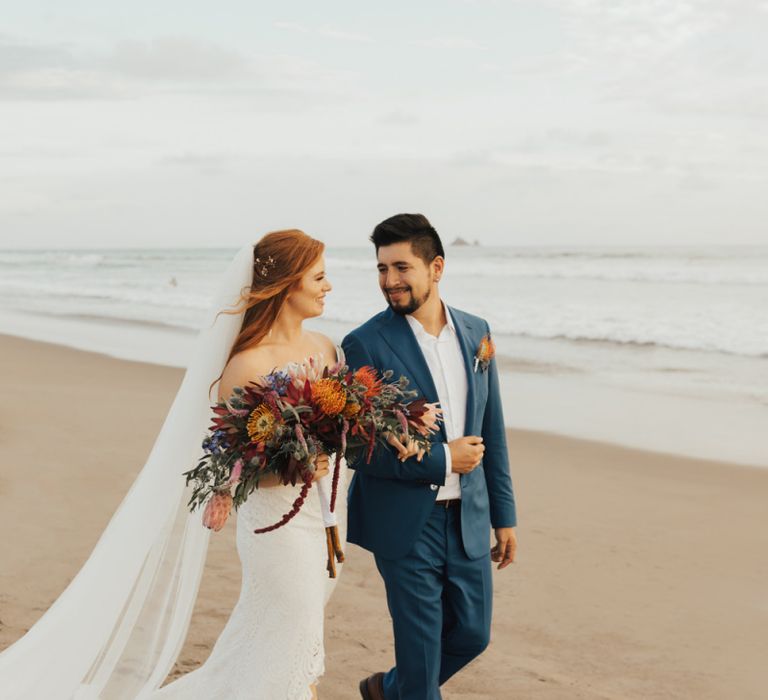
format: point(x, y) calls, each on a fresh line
point(407, 303)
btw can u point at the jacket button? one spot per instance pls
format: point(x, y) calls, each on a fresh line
point(433, 487)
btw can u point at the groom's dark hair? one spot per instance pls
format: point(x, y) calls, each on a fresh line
point(414, 228)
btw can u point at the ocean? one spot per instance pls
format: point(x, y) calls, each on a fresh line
point(570, 324)
point(710, 299)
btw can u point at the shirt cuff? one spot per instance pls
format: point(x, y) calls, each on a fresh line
point(448, 462)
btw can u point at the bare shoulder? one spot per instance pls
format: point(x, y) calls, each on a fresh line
point(244, 367)
point(326, 345)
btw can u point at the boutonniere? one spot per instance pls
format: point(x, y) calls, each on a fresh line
point(485, 352)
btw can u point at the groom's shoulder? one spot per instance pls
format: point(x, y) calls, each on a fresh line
point(370, 325)
point(471, 320)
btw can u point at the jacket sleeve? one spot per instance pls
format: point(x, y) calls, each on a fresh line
point(496, 457)
point(384, 463)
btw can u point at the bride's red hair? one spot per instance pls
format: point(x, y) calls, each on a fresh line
point(280, 260)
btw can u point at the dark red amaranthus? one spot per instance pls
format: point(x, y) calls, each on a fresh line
point(337, 466)
point(371, 445)
point(294, 509)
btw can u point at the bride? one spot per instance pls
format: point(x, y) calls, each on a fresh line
point(117, 629)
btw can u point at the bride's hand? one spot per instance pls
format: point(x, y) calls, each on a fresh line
point(321, 466)
point(406, 447)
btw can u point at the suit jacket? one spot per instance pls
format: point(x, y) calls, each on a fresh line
point(390, 501)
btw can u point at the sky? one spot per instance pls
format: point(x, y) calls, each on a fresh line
point(572, 122)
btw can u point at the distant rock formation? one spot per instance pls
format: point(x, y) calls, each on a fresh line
point(460, 241)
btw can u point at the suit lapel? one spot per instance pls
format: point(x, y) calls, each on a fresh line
point(463, 329)
point(400, 338)
point(398, 334)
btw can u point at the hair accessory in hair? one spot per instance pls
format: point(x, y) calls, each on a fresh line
point(264, 266)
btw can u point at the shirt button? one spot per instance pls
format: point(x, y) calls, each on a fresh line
point(433, 487)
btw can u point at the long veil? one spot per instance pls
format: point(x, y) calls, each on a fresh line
point(117, 629)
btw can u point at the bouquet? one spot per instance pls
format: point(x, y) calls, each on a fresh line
point(281, 422)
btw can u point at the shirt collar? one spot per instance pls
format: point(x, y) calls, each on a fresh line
point(418, 328)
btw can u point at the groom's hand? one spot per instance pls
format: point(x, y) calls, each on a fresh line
point(466, 453)
point(506, 546)
point(406, 447)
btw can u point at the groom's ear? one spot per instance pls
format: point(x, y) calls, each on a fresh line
point(438, 267)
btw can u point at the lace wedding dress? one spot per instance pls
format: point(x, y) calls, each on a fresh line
point(272, 645)
point(116, 630)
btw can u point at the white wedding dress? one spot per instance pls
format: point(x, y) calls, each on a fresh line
point(272, 645)
point(116, 630)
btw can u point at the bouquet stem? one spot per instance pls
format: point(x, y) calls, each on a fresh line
point(335, 553)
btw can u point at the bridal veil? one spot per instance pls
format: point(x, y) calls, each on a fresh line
point(117, 629)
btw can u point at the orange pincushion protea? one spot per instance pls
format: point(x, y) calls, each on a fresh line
point(351, 409)
point(261, 424)
point(367, 377)
point(486, 351)
point(330, 396)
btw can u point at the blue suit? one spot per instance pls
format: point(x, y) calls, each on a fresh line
point(435, 561)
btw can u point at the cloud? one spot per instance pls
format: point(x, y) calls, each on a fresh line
point(695, 57)
point(175, 59)
point(16, 55)
point(622, 34)
point(58, 84)
point(449, 42)
point(554, 63)
point(326, 31)
point(399, 118)
point(172, 65)
point(37, 71)
point(205, 163)
point(30, 70)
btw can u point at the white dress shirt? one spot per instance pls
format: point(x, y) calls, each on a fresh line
point(446, 365)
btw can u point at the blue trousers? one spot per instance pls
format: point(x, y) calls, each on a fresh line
point(440, 602)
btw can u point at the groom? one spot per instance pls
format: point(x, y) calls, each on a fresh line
point(427, 517)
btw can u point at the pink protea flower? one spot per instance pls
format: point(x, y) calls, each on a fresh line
point(237, 470)
point(300, 437)
point(403, 421)
point(432, 415)
point(217, 510)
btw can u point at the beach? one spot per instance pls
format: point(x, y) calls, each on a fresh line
point(638, 574)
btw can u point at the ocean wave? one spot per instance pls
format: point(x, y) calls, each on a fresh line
point(700, 267)
point(620, 340)
point(190, 326)
point(706, 272)
point(113, 258)
point(719, 276)
point(193, 324)
point(160, 296)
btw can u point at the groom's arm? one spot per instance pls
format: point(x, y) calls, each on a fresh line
point(496, 457)
point(384, 462)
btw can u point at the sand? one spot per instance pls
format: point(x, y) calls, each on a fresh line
point(638, 575)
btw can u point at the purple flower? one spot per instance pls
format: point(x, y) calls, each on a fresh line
point(278, 381)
